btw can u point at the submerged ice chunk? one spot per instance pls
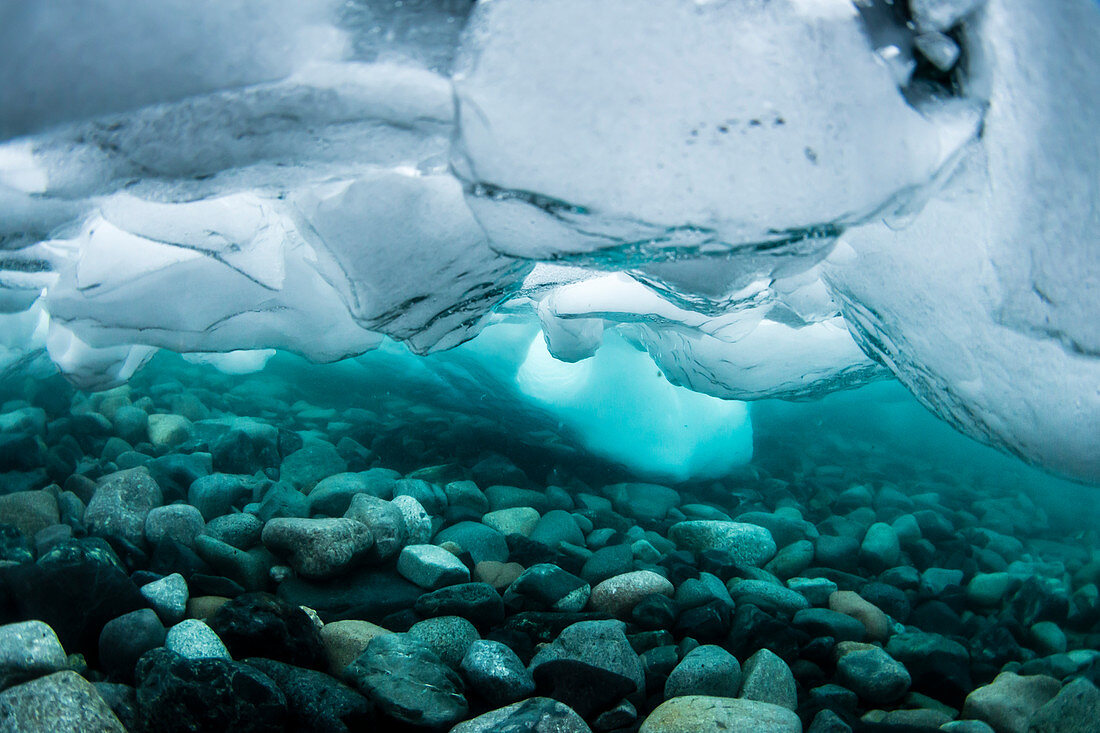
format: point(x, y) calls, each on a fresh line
point(621, 408)
point(741, 355)
point(616, 404)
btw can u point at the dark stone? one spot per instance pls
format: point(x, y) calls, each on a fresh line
point(902, 577)
point(401, 621)
point(202, 584)
point(124, 639)
point(289, 441)
point(14, 546)
point(495, 673)
point(839, 553)
point(539, 627)
point(317, 702)
point(709, 622)
point(874, 675)
point(922, 554)
point(53, 394)
point(718, 563)
point(754, 629)
point(218, 494)
point(825, 622)
point(555, 527)
point(1039, 599)
point(891, 600)
point(807, 674)
point(832, 697)
point(430, 496)
point(680, 566)
point(655, 611)
point(366, 594)
point(20, 453)
point(843, 579)
point(259, 624)
point(990, 649)
point(170, 556)
point(76, 588)
point(283, 501)
point(934, 526)
point(478, 603)
point(1084, 612)
point(940, 667)
point(820, 650)
point(216, 695)
point(527, 552)
point(246, 449)
point(122, 699)
point(175, 472)
point(408, 682)
point(542, 587)
point(935, 617)
point(643, 641)
point(608, 562)
point(658, 663)
point(590, 667)
point(826, 721)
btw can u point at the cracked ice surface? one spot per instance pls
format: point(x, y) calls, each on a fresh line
point(765, 199)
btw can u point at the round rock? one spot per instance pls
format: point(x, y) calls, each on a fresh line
point(28, 649)
point(193, 639)
point(318, 548)
point(874, 675)
point(449, 637)
point(618, 595)
point(696, 713)
point(746, 543)
point(496, 673)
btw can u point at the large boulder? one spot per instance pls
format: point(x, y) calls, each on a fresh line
point(408, 682)
point(121, 503)
point(75, 587)
point(590, 667)
point(259, 624)
point(181, 695)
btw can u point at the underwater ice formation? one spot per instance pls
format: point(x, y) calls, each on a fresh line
point(731, 187)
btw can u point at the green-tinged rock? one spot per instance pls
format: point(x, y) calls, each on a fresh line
point(408, 682)
point(697, 713)
point(1009, 701)
point(63, 702)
